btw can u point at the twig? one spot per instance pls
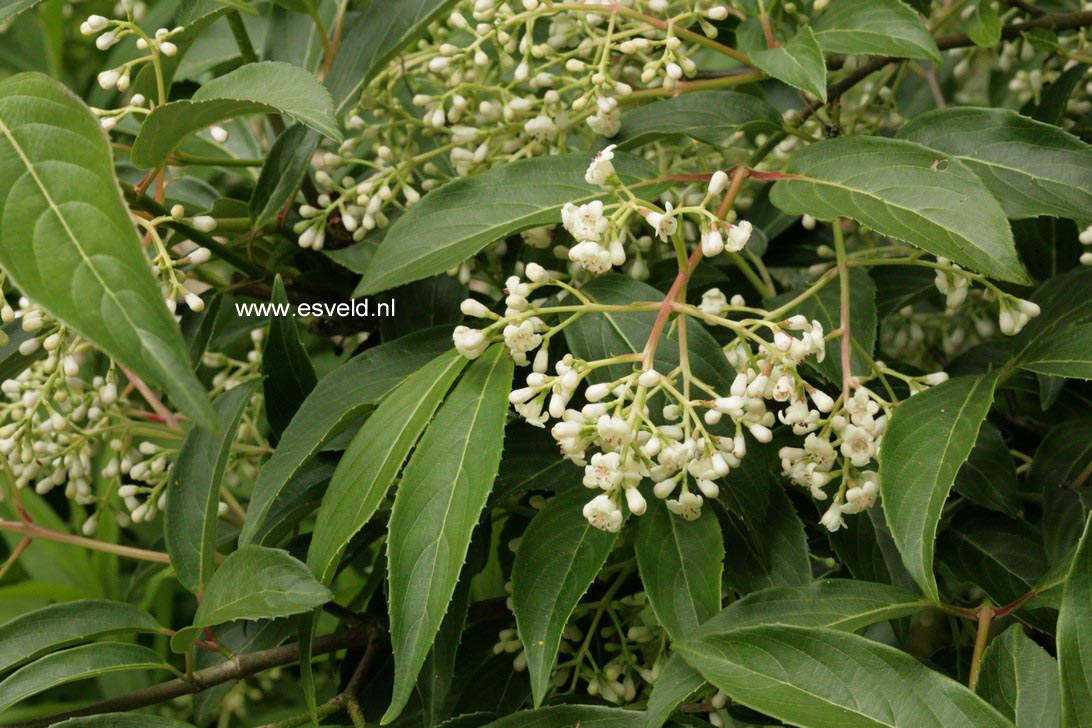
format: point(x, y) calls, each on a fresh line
point(34, 531)
point(237, 668)
point(843, 282)
point(169, 418)
point(985, 617)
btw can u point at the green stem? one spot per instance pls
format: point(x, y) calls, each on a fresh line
point(242, 38)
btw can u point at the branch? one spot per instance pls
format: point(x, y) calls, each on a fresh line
point(237, 668)
point(1057, 21)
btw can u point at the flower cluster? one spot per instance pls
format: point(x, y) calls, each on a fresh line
point(671, 432)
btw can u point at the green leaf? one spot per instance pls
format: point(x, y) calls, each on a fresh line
point(35, 633)
point(443, 490)
point(677, 683)
point(984, 25)
point(531, 462)
point(558, 557)
point(1031, 168)
point(869, 552)
point(1067, 353)
point(269, 87)
point(77, 663)
point(1075, 636)
point(373, 459)
point(712, 117)
point(905, 191)
point(11, 8)
point(123, 720)
point(826, 307)
point(1065, 301)
point(842, 604)
point(1020, 679)
point(378, 34)
point(772, 551)
point(12, 361)
point(584, 716)
point(988, 478)
point(193, 491)
point(282, 173)
point(680, 563)
point(799, 63)
point(926, 442)
point(604, 335)
point(337, 401)
point(253, 583)
point(878, 27)
point(289, 375)
point(1063, 455)
point(820, 677)
point(1002, 556)
point(453, 222)
point(67, 241)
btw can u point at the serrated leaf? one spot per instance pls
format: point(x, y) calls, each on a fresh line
point(680, 562)
point(799, 63)
point(816, 677)
point(826, 307)
point(282, 173)
point(378, 34)
point(373, 459)
point(193, 491)
point(269, 87)
point(67, 241)
point(35, 633)
point(840, 604)
point(584, 716)
point(254, 582)
point(878, 27)
point(337, 401)
point(905, 191)
point(558, 557)
point(1067, 353)
point(1064, 301)
point(288, 373)
point(76, 663)
point(926, 442)
point(712, 117)
point(1031, 168)
point(11, 8)
point(984, 25)
point(988, 478)
point(770, 552)
point(1002, 556)
point(1063, 455)
point(455, 221)
point(444, 487)
point(1075, 636)
point(1020, 679)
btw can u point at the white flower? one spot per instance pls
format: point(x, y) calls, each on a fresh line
point(687, 505)
point(469, 342)
point(109, 79)
point(539, 237)
point(613, 432)
point(665, 224)
point(475, 308)
point(604, 472)
point(713, 302)
point(521, 338)
point(93, 24)
point(1015, 314)
point(712, 243)
point(602, 513)
point(219, 134)
point(832, 519)
point(541, 128)
point(601, 168)
point(607, 121)
point(738, 236)
point(635, 501)
point(862, 496)
point(858, 445)
point(204, 223)
point(592, 257)
point(586, 222)
point(718, 182)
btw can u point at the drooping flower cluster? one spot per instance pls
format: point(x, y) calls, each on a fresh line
point(638, 430)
